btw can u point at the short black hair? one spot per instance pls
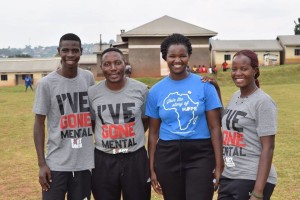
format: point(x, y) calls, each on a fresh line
point(70, 36)
point(175, 38)
point(115, 50)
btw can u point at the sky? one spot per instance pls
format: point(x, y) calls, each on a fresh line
point(43, 22)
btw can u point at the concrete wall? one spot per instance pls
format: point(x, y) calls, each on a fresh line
point(290, 57)
point(218, 58)
point(11, 81)
point(144, 55)
point(14, 79)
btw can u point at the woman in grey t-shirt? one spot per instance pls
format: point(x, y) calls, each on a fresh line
point(249, 124)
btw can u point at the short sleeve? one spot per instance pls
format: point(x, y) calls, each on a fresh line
point(266, 115)
point(42, 99)
point(151, 105)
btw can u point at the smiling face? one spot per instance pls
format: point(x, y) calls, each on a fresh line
point(242, 73)
point(113, 67)
point(177, 59)
point(70, 52)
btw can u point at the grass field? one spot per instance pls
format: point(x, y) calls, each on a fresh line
point(18, 164)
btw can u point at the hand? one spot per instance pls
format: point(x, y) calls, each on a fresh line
point(155, 184)
point(45, 177)
point(210, 80)
point(217, 174)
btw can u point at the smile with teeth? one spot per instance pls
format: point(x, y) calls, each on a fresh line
point(177, 66)
point(239, 79)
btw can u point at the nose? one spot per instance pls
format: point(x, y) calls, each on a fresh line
point(177, 59)
point(237, 72)
point(70, 53)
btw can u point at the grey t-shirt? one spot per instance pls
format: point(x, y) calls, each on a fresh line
point(244, 121)
point(118, 116)
point(65, 103)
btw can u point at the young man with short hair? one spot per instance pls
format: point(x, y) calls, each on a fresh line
point(62, 98)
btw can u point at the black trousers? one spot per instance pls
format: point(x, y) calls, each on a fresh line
point(184, 169)
point(240, 189)
point(125, 173)
point(77, 186)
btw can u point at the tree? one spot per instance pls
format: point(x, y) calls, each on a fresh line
point(297, 27)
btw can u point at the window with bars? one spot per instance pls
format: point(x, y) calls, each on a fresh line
point(3, 77)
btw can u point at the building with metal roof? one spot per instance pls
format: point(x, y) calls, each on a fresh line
point(291, 48)
point(14, 70)
point(268, 51)
point(141, 45)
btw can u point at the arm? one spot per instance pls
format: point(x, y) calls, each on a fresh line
point(39, 141)
point(93, 125)
point(264, 165)
point(153, 136)
point(214, 125)
point(214, 83)
point(145, 121)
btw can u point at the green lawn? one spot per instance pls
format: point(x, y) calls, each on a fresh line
point(18, 164)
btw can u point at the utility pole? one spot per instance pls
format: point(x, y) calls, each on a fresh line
point(100, 43)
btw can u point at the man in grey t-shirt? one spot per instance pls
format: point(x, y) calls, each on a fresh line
point(121, 161)
point(62, 98)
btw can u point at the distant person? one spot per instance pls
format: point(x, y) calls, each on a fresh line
point(214, 69)
point(28, 83)
point(249, 126)
point(62, 98)
point(204, 70)
point(128, 70)
point(200, 70)
point(188, 68)
point(225, 66)
point(195, 69)
point(185, 139)
point(121, 160)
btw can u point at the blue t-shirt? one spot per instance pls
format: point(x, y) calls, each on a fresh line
point(181, 106)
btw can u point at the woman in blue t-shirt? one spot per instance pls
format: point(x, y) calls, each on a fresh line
point(185, 142)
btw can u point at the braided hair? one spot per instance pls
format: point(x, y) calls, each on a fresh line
point(175, 38)
point(253, 62)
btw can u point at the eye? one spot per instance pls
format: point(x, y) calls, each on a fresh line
point(75, 50)
point(118, 62)
point(105, 64)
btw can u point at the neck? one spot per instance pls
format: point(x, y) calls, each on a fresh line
point(179, 76)
point(68, 72)
point(248, 91)
point(117, 85)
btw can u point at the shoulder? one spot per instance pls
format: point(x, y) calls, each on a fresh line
point(85, 72)
point(97, 86)
point(49, 78)
point(263, 98)
point(136, 83)
point(161, 83)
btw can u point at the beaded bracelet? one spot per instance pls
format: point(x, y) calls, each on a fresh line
point(256, 195)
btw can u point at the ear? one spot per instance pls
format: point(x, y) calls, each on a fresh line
point(81, 49)
point(255, 71)
point(58, 50)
